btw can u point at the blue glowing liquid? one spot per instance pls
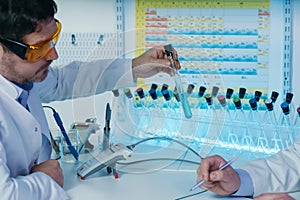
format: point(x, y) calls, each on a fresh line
point(185, 105)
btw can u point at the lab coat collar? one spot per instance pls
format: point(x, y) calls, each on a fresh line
point(12, 89)
point(9, 88)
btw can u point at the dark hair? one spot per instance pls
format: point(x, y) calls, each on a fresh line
point(21, 17)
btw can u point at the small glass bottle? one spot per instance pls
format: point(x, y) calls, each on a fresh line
point(271, 125)
point(241, 126)
point(285, 122)
point(296, 125)
point(255, 124)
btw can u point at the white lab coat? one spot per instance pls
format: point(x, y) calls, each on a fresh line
point(278, 173)
point(23, 134)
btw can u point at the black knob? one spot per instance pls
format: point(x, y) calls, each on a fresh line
point(274, 96)
point(257, 95)
point(269, 104)
point(289, 97)
point(229, 93)
point(140, 92)
point(201, 91)
point(242, 93)
point(190, 88)
point(253, 104)
point(153, 93)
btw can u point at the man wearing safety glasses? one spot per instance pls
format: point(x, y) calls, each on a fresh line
point(28, 35)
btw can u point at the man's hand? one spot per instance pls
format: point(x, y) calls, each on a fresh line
point(152, 62)
point(52, 169)
point(223, 182)
point(274, 196)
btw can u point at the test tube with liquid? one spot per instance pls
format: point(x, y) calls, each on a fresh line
point(257, 95)
point(171, 124)
point(157, 110)
point(131, 108)
point(242, 93)
point(286, 126)
point(202, 90)
point(255, 123)
point(153, 94)
point(270, 123)
point(190, 89)
point(296, 125)
point(141, 101)
point(228, 123)
point(229, 93)
point(211, 125)
point(201, 93)
point(240, 118)
point(214, 94)
point(274, 96)
point(207, 115)
point(183, 96)
point(214, 91)
point(288, 99)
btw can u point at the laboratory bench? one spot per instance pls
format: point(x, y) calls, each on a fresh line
point(162, 171)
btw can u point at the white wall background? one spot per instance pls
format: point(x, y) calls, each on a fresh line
point(87, 15)
point(296, 52)
point(84, 16)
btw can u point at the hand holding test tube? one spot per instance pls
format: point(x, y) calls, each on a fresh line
point(178, 83)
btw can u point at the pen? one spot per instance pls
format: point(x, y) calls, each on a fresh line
point(221, 168)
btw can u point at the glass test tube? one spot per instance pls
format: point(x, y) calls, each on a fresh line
point(229, 93)
point(240, 118)
point(270, 121)
point(178, 83)
point(262, 141)
point(296, 125)
point(286, 123)
point(232, 141)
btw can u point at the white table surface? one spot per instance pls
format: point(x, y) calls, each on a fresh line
point(159, 180)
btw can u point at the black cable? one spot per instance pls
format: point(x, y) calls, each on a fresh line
point(163, 138)
point(54, 145)
point(59, 123)
point(158, 159)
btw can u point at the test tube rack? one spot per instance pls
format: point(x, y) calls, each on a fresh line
point(141, 113)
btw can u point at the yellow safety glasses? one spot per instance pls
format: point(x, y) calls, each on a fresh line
point(33, 53)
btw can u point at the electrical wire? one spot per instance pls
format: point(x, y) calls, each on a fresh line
point(190, 195)
point(54, 145)
point(158, 159)
point(164, 138)
point(59, 123)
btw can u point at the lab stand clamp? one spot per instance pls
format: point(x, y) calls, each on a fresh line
point(85, 129)
point(221, 119)
point(109, 155)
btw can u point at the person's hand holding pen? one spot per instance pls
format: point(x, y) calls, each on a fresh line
point(220, 181)
point(154, 61)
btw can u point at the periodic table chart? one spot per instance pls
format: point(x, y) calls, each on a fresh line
point(224, 43)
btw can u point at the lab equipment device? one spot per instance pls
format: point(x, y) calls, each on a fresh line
point(85, 129)
point(182, 95)
point(107, 158)
point(109, 155)
point(221, 168)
